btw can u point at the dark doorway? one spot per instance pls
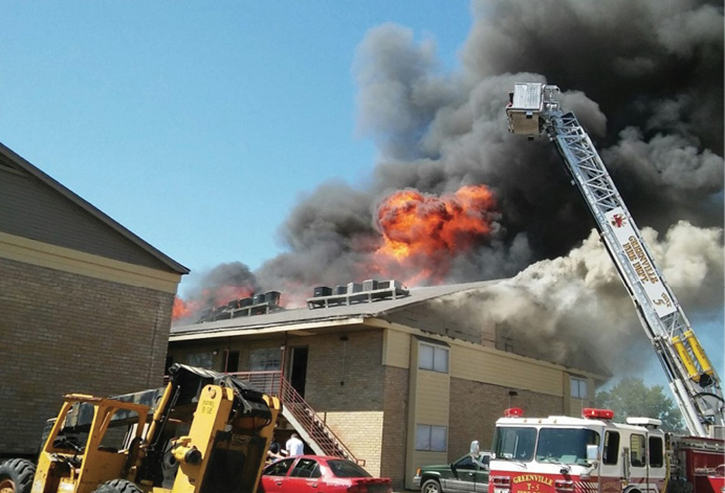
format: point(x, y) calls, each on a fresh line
point(231, 363)
point(298, 369)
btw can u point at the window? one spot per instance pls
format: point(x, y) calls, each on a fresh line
point(346, 469)
point(265, 359)
point(306, 468)
point(279, 468)
point(514, 443)
point(636, 451)
point(565, 445)
point(578, 388)
point(656, 452)
point(431, 438)
point(466, 464)
point(611, 448)
point(433, 358)
point(202, 360)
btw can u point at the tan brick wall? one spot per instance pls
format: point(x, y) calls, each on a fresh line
point(475, 407)
point(395, 408)
point(357, 363)
point(362, 432)
point(63, 332)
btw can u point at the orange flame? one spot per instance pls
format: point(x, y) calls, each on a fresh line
point(210, 298)
point(182, 309)
point(421, 232)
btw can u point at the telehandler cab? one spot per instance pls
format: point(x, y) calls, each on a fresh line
point(204, 432)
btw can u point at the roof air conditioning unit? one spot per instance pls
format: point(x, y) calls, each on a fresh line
point(370, 285)
point(321, 291)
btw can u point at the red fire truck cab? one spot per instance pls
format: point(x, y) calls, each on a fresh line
point(593, 454)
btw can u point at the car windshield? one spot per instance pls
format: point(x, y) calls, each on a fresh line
point(514, 443)
point(347, 469)
point(565, 445)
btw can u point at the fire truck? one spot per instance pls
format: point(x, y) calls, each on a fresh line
point(593, 453)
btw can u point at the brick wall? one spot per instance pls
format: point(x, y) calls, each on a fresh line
point(62, 333)
point(362, 432)
point(395, 408)
point(345, 375)
point(475, 407)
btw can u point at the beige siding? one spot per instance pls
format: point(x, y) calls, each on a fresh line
point(429, 402)
point(75, 262)
point(433, 397)
point(396, 349)
point(489, 366)
point(31, 209)
point(422, 458)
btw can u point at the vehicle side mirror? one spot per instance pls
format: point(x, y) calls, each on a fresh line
point(475, 448)
point(593, 455)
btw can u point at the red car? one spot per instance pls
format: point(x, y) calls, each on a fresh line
point(320, 474)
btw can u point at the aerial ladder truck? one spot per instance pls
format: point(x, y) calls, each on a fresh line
point(534, 110)
point(595, 454)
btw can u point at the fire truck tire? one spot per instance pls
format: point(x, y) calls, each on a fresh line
point(118, 486)
point(431, 486)
point(16, 476)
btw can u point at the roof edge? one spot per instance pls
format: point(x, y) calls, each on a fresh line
point(91, 209)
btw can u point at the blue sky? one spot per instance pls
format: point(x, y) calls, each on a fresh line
point(198, 125)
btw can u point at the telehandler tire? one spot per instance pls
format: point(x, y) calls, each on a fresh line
point(16, 476)
point(117, 486)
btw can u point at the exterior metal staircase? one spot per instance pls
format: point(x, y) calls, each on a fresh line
point(311, 427)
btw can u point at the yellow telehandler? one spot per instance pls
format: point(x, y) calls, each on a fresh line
point(204, 432)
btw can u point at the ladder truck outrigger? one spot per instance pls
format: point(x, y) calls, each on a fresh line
point(593, 453)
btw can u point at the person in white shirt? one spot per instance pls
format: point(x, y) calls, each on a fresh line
point(295, 446)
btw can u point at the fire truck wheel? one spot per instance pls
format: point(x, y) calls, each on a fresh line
point(431, 486)
point(117, 486)
point(16, 476)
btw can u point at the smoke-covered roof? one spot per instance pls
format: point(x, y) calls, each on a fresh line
point(305, 315)
point(460, 311)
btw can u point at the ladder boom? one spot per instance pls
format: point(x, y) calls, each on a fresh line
point(534, 110)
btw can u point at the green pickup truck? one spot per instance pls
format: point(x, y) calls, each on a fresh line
point(469, 474)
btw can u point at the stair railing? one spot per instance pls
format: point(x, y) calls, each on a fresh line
point(273, 383)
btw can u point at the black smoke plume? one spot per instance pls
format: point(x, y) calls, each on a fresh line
point(644, 77)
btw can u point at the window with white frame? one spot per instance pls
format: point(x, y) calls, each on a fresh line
point(578, 388)
point(432, 357)
point(431, 438)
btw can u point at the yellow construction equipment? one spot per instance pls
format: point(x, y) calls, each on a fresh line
point(204, 432)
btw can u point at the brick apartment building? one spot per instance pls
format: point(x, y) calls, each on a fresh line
point(85, 305)
point(403, 381)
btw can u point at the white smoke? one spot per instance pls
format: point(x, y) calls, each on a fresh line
point(555, 308)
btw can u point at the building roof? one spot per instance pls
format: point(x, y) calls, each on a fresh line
point(434, 310)
point(305, 315)
point(13, 160)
